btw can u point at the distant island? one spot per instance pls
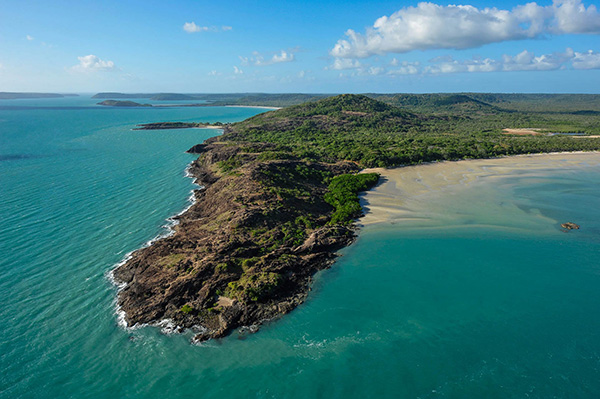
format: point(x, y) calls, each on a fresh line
point(151, 96)
point(250, 99)
point(279, 195)
point(15, 96)
point(117, 103)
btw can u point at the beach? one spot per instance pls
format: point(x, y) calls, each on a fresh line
point(421, 195)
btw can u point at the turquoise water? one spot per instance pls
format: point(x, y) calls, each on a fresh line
point(444, 311)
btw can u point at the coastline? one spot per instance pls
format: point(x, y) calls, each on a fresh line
point(400, 198)
point(166, 326)
point(207, 275)
point(419, 196)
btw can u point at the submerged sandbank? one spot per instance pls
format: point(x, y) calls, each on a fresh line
point(468, 193)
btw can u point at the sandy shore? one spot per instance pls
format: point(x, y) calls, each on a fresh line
point(456, 192)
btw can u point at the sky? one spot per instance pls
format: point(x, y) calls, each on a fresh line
point(305, 46)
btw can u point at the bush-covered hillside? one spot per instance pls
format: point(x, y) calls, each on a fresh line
point(374, 133)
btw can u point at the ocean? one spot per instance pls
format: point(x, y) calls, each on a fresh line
point(442, 309)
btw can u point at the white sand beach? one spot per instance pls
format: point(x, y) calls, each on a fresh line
point(465, 192)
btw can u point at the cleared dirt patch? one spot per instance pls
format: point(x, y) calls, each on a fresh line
point(523, 132)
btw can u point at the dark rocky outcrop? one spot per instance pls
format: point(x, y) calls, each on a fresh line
point(246, 250)
point(570, 226)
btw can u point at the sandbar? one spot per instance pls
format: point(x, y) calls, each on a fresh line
point(459, 193)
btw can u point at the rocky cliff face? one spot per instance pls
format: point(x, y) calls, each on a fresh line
point(245, 251)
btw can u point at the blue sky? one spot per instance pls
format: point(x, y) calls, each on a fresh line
point(309, 46)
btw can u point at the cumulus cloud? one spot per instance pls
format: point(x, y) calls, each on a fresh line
point(262, 60)
point(589, 60)
point(283, 56)
point(191, 27)
point(524, 61)
point(432, 26)
point(344, 63)
point(237, 71)
point(29, 37)
point(375, 70)
point(89, 63)
point(406, 68)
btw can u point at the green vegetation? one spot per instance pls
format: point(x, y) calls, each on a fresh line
point(342, 195)
point(229, 165)
point(186, 309)
point(422, 128)
point(253, 287)
point(116, 103)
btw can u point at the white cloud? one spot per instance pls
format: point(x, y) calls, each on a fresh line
point(344, 63)
point(261, 60)
point(406, 68)
point(191, 27)
point(283, 56)
point(524, 61)
point(571, 16)
point(527, 61)
point(30, 38)
point(375, 70)
point(90, 63)
point(237, 71)
point(430, 26)
point(214, 73)
point(589, 60)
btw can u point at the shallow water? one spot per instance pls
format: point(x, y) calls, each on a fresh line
point(443, 310)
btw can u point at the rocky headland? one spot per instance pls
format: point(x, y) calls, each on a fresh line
point(246, 250)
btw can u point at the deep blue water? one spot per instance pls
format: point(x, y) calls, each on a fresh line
point(445, 311)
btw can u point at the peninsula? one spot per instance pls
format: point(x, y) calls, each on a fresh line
point(17, 95)
point(178, 125)
point(278, 198)
point(120, 103)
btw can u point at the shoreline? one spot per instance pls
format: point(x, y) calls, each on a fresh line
point(380, 204)
point(178, 282)
point(405, 193)
point(165, 325)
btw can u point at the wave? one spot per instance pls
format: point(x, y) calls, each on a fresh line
point(166, 325)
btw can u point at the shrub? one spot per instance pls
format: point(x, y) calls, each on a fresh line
point(186, 309)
